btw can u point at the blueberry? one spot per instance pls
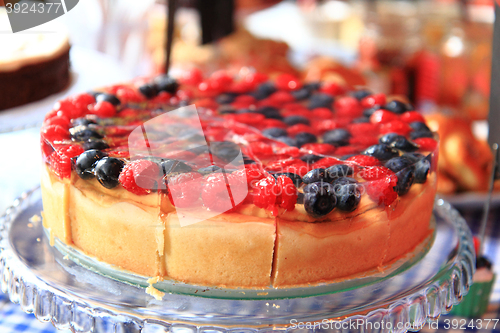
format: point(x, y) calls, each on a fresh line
point(414, 157)
point(381, 152)
point(483, 262)
point(169, 166)
point(294, 120)
point(305, 137)
point(166, 83)
point(270, 113)
point(310, 158)
point(274, 132)
point(107, 171)
point(397, 107)
point(361, 93)
point(388, 138)
point(368, 112)
point(247, 160)
point(105, 97)
point(338, 171)
point(344, 181)
point(361, 120)
point(422, 169)
point(421, 134)
point(243, 111)
point(84, 164)
point(82, 122)
point(227, 111)
point(419, 126)
point(264, 90)
point(312, 86)
point(210, 169)
point(83, 133)
point(403, 144)
point(95, 144)
point(319, 199)
point(348, 196)
point(397, 164)
point(406, 177)
point(288, 141)
point(226, 98)
point(337, 137)
point(297, 180)
point(320, 100)
point(301, 94)
point(225, 150)
point(148, 90)
point(300, 198)
point(315, 175)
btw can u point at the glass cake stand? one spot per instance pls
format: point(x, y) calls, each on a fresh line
point(49, 283)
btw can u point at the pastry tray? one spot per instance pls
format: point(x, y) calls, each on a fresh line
point(49, 283)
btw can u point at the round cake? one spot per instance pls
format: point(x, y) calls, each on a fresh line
point(238, 181)
point(32, 65)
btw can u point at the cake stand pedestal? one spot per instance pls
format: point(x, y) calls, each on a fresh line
point(47, 283)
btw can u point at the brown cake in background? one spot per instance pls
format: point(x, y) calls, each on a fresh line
point(32, 65)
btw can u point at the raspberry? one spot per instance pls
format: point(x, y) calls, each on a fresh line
point(372, 100)
point(253, 175)
point(288, 151)
point(365, 141)
point(250, 118)
point(346, 150)
point(53, 133)
point(192, 77)
point(60, 160)
point(322, 113)
point(208, 89)
point(281, 164)
point(411, 116)
point(395, 126)
point(69, 109)
point(61, 120)
point(326, 162)
point(326, 125)
point(256, 78)
point(184, 189)
point(299, 128)
point(128, 94)
point(375, 172)
point(140, 177)
point(184, 94)
point(243, 102)
point(383, 117)
point(267, 123)
point(260, 148)
point(287, 196)
point(82, 101)
point(363, 129)
point(364, 160)
point(241, 87)
point(104, 109)
point(348, 106)
point(332, 88)
point(223, 192)
point(427, 144)
point(281, 97)
point(220, 80)
point(320, 148)
point(162, 97)
point(206, 103)
point(288, 82)
point(265, 193)
point(381, 191)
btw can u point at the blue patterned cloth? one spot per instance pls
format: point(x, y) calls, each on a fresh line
point(14, 320)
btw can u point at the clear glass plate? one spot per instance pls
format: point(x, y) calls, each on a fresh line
point(45, 282)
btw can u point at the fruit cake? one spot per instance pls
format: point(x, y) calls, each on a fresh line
point(238, 181)
point(32, 65)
